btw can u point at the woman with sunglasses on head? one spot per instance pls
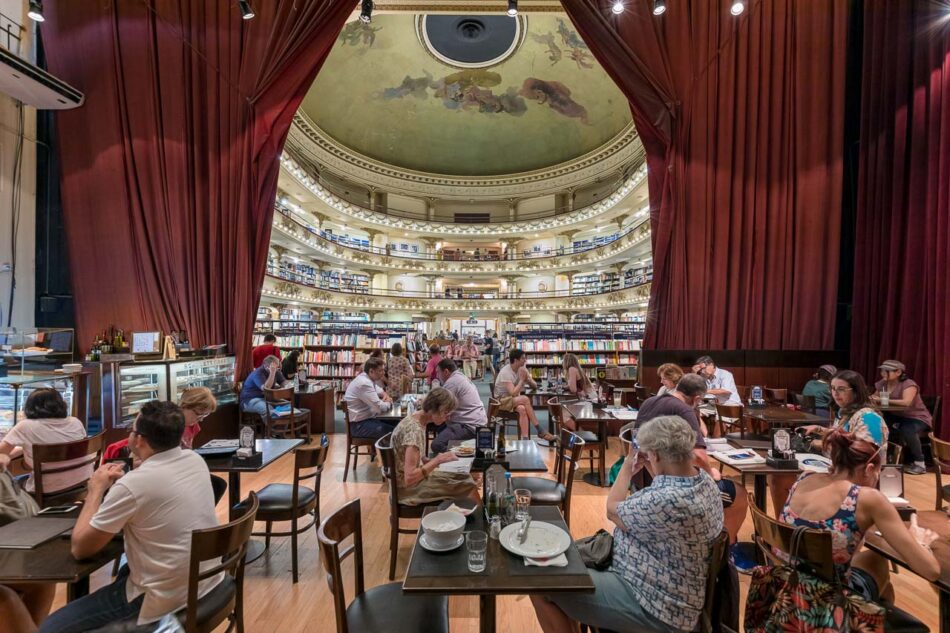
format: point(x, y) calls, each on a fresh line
point(912, 421)
point(846, 502)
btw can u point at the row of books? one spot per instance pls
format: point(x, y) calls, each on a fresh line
point(381, 341)
point(584, 359)
point(578, 345)
point(324, 370)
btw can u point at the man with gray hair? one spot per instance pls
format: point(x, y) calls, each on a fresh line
point(719, 382)
point(267, 376)
point(650, 588)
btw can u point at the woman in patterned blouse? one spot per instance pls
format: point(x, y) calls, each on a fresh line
point(399, 373)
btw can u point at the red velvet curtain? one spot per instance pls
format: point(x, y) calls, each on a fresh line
point(170, 167)
point(742, 120)
point(902, 244)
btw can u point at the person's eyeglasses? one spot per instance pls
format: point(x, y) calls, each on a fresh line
point(136, 432)
point(201, 417)
point(840, 389)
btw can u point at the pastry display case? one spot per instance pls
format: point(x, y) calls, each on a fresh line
point(217, 374)
point(136, 385)
point(35, 349)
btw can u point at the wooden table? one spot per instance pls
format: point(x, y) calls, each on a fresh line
point(776, 415)
point(526, 459)
point(53, 562)
point(760, 473)
point(585, 414)
point(505, 573)
point(268, 452)
point(939, 523)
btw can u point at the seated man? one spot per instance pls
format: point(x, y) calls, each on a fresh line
point(662, 543)
point(719, 382)
point(365, 401)
point(681, 402)
point(511, 380)
point(469, 413)
point(156, 507)
point(267, 376)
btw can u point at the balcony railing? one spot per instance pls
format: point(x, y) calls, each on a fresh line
point(454, 255)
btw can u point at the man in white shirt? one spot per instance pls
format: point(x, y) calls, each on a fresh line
point(469, 413)
point(511, 380)
point(156, 506)
point(365, 401)
point(719, 382)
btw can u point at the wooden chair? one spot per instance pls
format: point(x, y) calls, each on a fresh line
point(776, 396)
point(85, 455)
point(291, 502)
point(226, 545)
point(594, 445)
point(894, 453)
point(744, 392)
point(933, 405)
point(806, 403)
point(506, 419)
point(730, 416)
point(353, 444)
point(815, 553)
point(288, 426)
point(557, 491)
point(941, 453)
point(382, 608)
point(642, 393)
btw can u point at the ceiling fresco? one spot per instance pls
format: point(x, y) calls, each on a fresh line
point(392, 91)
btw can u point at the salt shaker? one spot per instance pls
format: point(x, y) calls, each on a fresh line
point(494, 527)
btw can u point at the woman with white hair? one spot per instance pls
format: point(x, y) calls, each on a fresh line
point(650, 588)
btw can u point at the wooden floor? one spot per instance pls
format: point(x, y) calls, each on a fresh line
point(273, 603)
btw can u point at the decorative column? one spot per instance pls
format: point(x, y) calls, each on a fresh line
point(568, 238)
point(430, 207)
point(512, 209)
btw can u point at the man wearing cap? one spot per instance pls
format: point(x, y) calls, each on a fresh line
point(907, 425)
point(819, 387)
point(719, 382)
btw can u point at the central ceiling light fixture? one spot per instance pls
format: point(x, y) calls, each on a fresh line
point(512, 8)
point(366, 11)
point(35, 12)
point(659, 7)
point(738, 6)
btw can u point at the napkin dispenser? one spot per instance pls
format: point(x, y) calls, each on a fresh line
point(781, 455)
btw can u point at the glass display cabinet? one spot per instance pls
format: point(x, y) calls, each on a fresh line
point(217, 374)
point(14, 390)
point(136, 385)
point(35, 349)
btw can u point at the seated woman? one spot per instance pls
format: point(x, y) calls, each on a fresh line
point(290, 366)
point(846, 501)
point(819, 387)
point(910, 423)
point(669, 374)
point(578, 387)
point(419, 479)
point(650, 588)
point(47, 421)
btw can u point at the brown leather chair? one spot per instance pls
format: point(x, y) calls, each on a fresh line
point(382, 608)
point(290, 502)
point(226, 545)
point(287, 426)
point(941, 454)
point(47, 459)
point(353, 444)
point(557, 491)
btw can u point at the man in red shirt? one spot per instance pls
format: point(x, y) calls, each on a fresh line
point(269, 348)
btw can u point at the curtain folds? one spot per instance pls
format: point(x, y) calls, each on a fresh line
point(170, 167)
point(902, 242)
point(742, 120)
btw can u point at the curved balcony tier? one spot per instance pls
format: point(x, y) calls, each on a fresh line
point(300, 239)
point(277, 290)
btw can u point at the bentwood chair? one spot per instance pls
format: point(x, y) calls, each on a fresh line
point(941, 454)
point(806, 403)
point(815, 554)
point(382, 608)
point(592, 444)
point(557, 491)
point(933, 405)
point(353, 444)
point(505, 419)
point(226, 546)
point(730, 416)
point(291, 502)
point(288, 425)
point(776, 396)
point(744, 392)
point(83, 457)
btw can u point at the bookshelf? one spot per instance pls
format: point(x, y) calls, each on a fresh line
point(596, 345)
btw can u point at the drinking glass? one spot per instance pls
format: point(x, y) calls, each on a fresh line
point(618, 399)
point(522, 503)
point(885, 397)
point(476, 544)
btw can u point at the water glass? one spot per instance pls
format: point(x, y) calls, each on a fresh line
point(522, 503)
point(476, 544)
point(885, 397)
point(618, 399)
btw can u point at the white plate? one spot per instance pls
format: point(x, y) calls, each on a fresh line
point(543, 541)
point(424, 542)
point(813, 462)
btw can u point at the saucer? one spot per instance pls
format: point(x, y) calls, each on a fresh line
point(424, 542)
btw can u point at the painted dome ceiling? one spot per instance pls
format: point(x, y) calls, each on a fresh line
point(466, 95)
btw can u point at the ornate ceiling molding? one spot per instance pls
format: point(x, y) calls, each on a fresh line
point(621, 154)
point(285, 292)
point(439, 229)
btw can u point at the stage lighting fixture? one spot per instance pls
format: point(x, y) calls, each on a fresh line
point(617, 7)
point(512, 8)
point(737, 7)
point(659, 7)
point(366, 11)
point(35, 12)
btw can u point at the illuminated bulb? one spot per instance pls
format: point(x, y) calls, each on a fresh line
point(617, 7)
point(737, 7)
point(659, 7)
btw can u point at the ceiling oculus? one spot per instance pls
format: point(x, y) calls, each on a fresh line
point(471, 41)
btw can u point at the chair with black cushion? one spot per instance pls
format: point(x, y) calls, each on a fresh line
point(226, 546)
point(557, 491)
point(353, 444)
point(291, 502)
point(730, 416)
point(593, 444)
point(84, 455)
point(505, 419)
point(382, 608)
point(941, 453)
point(397, 511)
point(288, 425)
point(815, 553)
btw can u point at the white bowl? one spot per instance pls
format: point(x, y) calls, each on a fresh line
point(72, 368)
point(443, 528)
